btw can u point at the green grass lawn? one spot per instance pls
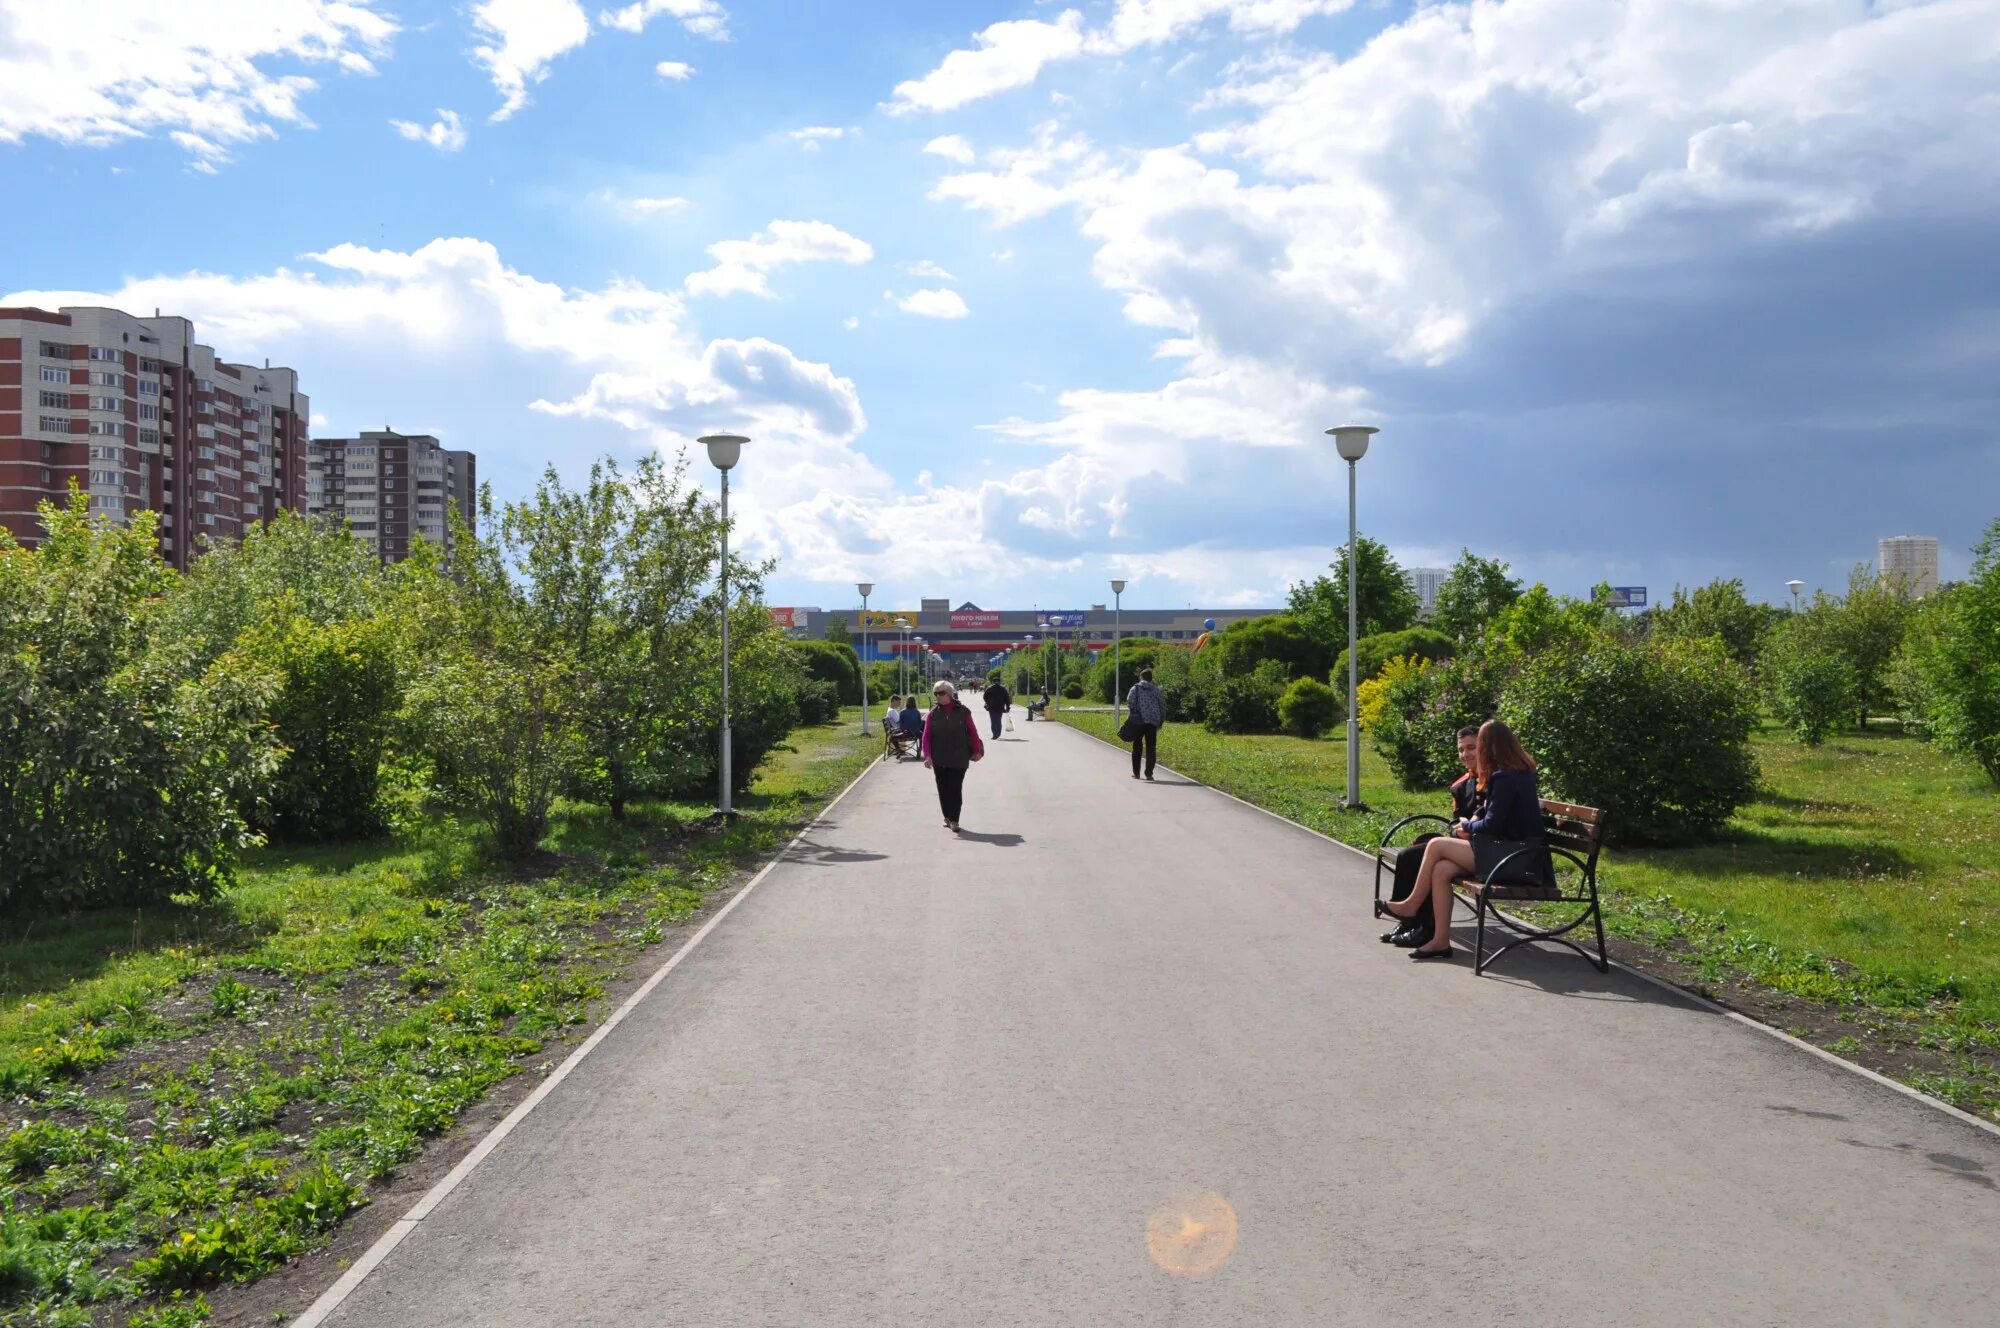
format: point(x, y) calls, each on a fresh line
point(197, 1094)
point(1866, 877)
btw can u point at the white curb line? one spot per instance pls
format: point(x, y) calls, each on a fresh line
point(331, 1299)
point(1664, 985)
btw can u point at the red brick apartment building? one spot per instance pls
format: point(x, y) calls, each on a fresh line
point(391, 486)
point(142, 416)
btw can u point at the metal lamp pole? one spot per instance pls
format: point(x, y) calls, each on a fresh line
point(866, 588)
point(1352, 442)
point(903, 654)
point(724, 450)
point(1117, 650)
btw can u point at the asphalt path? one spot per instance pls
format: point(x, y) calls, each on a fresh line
point(1130, 1053)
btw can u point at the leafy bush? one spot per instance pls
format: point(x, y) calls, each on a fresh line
point(335, 706)
point(124, 760)
point(1308, 708)
point(834, 662)
point(819, 702)
point(1246, 704)
point(1719, 609)
point(1953, 655)
point(1375, 651)
point(1280, 636)
point(1185, 678)
point(1371, 698)
point(1073, 690)
point(1417, 729)
point(1812, 692)
point(1116, 667)
point(1657, 735)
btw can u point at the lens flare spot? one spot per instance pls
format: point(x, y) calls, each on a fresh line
point(1192, 1235)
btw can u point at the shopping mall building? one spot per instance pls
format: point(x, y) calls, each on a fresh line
point(969, 636)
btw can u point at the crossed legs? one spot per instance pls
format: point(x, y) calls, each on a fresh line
point(1445, 860)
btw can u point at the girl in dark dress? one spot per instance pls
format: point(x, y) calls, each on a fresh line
point(1506, 776)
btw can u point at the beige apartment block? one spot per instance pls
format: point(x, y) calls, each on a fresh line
point(391, 486)
point(1911, 559)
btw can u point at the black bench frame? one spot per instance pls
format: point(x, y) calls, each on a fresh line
point(1574, 835)
point(893, 750)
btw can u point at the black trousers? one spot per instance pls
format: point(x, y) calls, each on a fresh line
point(951, 790)
point(1407, 862)
point(994, 715)
point(1149, 742)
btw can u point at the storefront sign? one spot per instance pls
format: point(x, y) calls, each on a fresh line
point(975, 618)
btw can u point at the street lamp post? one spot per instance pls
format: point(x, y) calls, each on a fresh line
point(1117, 651)
point(724, 450)
point(1352, 442)
point(1795, 587)
point(866, 588)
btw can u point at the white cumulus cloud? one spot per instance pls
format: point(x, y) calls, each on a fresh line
point(99, 73)
point(952, 147)
point(812, 136)
point(445, 133)
point(703, 18)
point(1009, 54)
point(940, 303)
point(677, 70)
point(742, 267)
point(520, 39)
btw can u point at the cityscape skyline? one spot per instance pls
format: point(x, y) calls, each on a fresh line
point(1028, 297)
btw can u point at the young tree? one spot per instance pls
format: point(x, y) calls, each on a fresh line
point(836, 631)
point(1719, 609)
point(1870, 628)
point(1957, 658)
point(1475, 590)
point(1386, 601)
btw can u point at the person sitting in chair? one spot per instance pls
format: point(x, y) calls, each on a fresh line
point(911, 721)
point(1039, 707)
point(1468, 802)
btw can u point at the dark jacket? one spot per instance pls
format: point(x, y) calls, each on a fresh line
point(951, 737)
point(999, 698)
point(911, 721)
point(1513, 808)
point(1467, 801)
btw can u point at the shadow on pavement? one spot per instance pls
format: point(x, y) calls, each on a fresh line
point(827, 855)
point(999, 841)
point(1558, 971)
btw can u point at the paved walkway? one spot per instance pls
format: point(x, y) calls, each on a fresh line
point(1010, 1079)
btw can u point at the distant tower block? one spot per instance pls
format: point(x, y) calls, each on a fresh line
point(1911, 559)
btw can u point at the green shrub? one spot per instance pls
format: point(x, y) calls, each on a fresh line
point(834, 662)
point(1249, 703)
point(1114, 667)
point(1243, 645)
point(333, 712)
point(1417, 730)
point(819, 702)
point(1073, 690)
point(1953, 654)
point(1812, 692)
point(1375, 651)
point(1656, 735)
point(1308, 708)
point(125, 760)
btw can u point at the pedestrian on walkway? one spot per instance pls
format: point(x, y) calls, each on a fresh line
point(998, 702)
point(1148, 712)
point(951, 745)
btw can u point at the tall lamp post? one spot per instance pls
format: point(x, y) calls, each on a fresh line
point(903, 653)
point(724, 450)
point(1352, 442)
point(1795, 587)
point(1117, 651)
point(866, 588)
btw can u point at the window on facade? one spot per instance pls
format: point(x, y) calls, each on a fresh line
point(204, 408)
point(147, 389)
point(106, 477)
point(105, 378)
point(48, 479)
point(149, 412)
point(150, 437)
point(104, 452)
point(205, 453)
point(204, 384)
point(107, 428)
point(208, 518)
point(106, 353)
point(54, 424)
point(205, 475)
point(52, 374)
point(204, 431)
point(60, 400)
point(106, 403)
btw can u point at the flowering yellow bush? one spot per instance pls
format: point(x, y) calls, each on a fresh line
point(1371, 696)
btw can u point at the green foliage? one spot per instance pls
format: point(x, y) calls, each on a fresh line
point(834, 662)
point(1386, 603)
point(1472, 593)
point(1308, 708)
point(1247, 703)
point(1073, 690)
point(334, 711)
point(1122, 666)
point(315, 569)
point(124, 758)
point(1540, 621)
point(1865, 628)
point(1279, 637)
point(1719, 609)
point(1657, 735)
point(818, 702)
point(837, 633)
point(1417, 730)
point(1375, 651)
point(1811, 690)
point(1951, 662)
point(1372, 696)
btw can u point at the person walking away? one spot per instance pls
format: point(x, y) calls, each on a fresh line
point(1148, 706)
point(951, 745)
point(998, 702)
point(1468, 802)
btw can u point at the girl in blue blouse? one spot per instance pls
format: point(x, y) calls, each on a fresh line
point(1506, 776)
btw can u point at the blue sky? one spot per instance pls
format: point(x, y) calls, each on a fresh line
point(1018, 297)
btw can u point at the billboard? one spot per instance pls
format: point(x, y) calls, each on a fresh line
point(1628, 597)
point(1060, 618)
point(789, 617)
point(876, 620)
point(975, 618)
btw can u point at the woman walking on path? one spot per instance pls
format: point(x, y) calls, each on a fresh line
point(951, 745)
point(1149, 711)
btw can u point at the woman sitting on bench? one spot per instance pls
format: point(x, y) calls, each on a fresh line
point(1513, 821)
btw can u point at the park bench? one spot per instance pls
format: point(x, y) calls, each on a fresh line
point(897, 745)
point(1574, 836)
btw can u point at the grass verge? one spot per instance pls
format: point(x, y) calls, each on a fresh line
point(1855, 903)
point(199, 1094)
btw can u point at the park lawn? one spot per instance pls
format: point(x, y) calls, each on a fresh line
point(198, 1093)
point(1864, 879)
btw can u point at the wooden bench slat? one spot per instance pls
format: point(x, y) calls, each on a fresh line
point(1588, 815)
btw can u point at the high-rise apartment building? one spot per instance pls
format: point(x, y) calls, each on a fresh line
point(1425, 581)
point(1911, 559)
point(390, 486)
point(142, 416)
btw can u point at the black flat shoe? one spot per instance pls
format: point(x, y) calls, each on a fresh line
point(1411, 937)
point(1433, 954)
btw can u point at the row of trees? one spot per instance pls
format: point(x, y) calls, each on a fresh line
point(294, 687)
